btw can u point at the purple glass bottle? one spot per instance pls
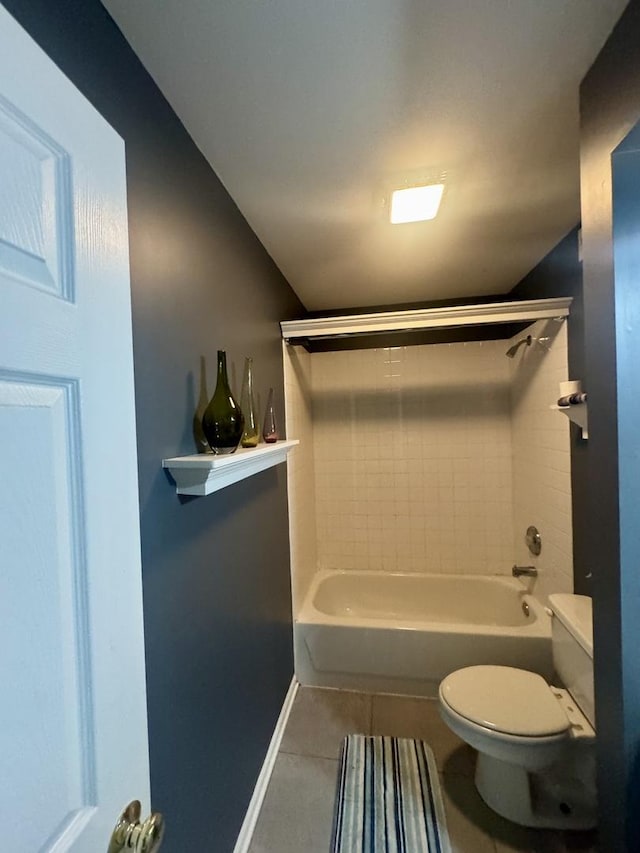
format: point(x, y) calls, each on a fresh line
point(270, 427)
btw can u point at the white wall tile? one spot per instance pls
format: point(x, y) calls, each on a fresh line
point(405, 435)
point(542, 457)
point(301, 478)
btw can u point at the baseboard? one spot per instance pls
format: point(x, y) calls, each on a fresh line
point(255, 804)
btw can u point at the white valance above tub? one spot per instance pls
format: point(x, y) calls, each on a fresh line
point(425, 318)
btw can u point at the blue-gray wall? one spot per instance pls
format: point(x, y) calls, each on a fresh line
point(215, 569)
point(609, 109)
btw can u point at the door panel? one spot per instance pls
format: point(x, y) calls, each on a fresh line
point(36, 216)
point(45, 596)
point(73, 739)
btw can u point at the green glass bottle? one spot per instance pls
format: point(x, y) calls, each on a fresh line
point(222, 421)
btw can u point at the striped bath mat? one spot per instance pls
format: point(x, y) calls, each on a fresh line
point(388, 798)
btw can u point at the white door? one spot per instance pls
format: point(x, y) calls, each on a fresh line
point(73, 727)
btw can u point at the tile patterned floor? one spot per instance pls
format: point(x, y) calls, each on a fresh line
point(297, 812)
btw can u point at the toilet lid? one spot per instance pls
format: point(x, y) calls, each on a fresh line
point(505, 699)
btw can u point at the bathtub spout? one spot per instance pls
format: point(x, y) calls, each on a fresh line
point(527, 571)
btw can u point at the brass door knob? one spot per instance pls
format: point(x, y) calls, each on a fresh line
point(130, 835)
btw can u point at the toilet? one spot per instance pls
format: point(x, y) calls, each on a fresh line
point(535, 742)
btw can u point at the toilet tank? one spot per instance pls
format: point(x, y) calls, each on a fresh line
point(572, 645)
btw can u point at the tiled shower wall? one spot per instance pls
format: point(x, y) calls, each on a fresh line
point(542, 457)
point(300, 471)
point(413, 458)
point(430, 458)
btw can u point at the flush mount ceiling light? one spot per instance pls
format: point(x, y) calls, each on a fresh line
point(415, 204)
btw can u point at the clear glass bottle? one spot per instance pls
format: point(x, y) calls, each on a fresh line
point(270, 427)
point(223, 421)
point(251, 431)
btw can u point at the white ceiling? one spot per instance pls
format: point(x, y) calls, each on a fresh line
point(310, 110)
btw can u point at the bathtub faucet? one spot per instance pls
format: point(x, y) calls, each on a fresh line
point(527, 571)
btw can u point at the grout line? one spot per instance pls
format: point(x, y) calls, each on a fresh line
point(307, 755)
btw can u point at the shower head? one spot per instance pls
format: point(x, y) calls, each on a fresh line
point(510, 353)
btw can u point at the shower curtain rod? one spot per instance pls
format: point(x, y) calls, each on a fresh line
point(425, 318)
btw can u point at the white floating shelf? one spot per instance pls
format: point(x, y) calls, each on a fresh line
point(204, 473)
point(428, 318)
point(578, 414)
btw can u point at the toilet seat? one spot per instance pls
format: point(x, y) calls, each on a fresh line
point(478, 736)
point(505, 700)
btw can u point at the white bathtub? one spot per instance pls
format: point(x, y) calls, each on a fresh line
point(402, 633)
